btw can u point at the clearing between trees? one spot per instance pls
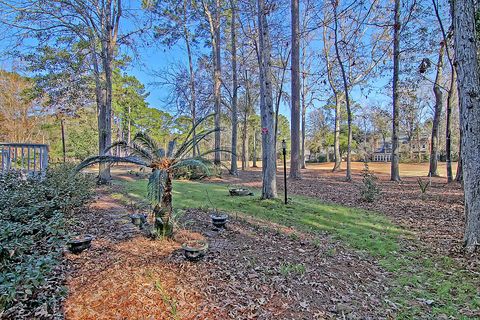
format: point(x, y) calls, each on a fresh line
point(322, 256)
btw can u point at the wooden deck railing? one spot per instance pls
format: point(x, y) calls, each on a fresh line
point(29, 158)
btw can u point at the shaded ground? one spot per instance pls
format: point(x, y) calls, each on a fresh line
point(437, 217)
point(253, 270)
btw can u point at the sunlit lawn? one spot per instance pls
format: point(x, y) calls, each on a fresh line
point(416, 275)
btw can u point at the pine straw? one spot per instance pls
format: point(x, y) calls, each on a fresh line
point(250, 272)
point(132, 279)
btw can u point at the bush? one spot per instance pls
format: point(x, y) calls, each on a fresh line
point(370, 189)
point(196, 173)
point(33, 231)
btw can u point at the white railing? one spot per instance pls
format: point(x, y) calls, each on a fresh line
point(28, 158)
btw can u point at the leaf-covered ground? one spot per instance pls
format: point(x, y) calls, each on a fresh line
point(253, 270)
point(418, 270)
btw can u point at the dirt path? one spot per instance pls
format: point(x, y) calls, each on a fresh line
point(437, 217)
point(253, 270)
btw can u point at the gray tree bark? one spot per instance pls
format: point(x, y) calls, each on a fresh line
point(336, 135)
point(468, 79)
point(269, 165)
point(437, 90)
point(254, 157)
point(295, 86)
point(448, 121)
point(193, 96)
point(233, 164)
point(395, 172)
point(217, 81)
point(348, 176)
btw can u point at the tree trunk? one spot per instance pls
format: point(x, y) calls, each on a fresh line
point(437, 90)
point(233, 164)
point(469, 98)
point(245, 159)
point(64, 150)
point(254, 158)
point(304, 110)
point(459, 175)
point(163, 210)
point(269, 165)
point(129, 132)
point(193, 98)
point(395, 172)
point(217, 80)
point(295, 86)
point(348, 176)
point(336, 137)
point(448, 140)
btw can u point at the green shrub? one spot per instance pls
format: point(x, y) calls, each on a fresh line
point(32, 236)
point(370, 189)
point(196, 173)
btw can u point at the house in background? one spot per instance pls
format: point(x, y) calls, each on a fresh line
point(414, 149)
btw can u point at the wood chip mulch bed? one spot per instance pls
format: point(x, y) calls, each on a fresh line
point(253, 270)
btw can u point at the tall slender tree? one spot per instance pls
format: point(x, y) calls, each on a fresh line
point(438, 92)
point(467, 66)
point(269, 165)
point(395, 159)
point(295, 83)
point(233, 34)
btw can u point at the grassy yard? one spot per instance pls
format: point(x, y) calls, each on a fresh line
point(423, 285)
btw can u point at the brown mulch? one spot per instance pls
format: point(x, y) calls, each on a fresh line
point(437, 219)
point(253, 270)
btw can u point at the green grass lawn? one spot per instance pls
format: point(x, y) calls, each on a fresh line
point(417, 276)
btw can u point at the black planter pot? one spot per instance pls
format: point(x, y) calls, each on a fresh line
point(219, 219)
point(240, 192)
point(195, 250)
point(138, 219)
point(80, 244)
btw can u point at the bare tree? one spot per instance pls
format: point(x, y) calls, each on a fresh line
point(214, 22)
point(269, 166)
point(395, 173)
point(438, 92)
point(295, 83)
point(346, 92)
point(233, 165)
point(93, 22)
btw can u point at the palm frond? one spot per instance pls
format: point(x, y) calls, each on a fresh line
point(188, 145)
point(156, 186)
point(110, 160)
point(146, 141)
point(134, 149)
point(171, 147)
point(199, 122)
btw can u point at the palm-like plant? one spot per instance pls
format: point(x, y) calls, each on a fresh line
point(145, 151)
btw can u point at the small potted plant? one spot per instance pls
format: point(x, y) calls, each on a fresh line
point(78, 244)
point(219, 219)
point(194, 250)
point(136, 219)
